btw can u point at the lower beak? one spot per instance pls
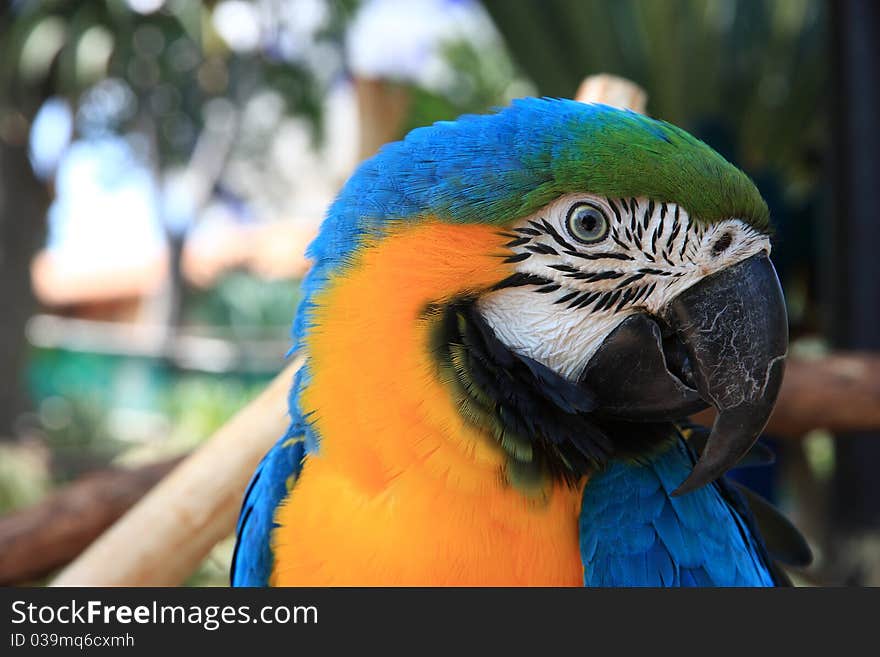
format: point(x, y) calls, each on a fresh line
point(723, 342)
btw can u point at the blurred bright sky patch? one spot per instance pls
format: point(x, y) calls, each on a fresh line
point(403, 41)
point(105, 211)
point(50, 135)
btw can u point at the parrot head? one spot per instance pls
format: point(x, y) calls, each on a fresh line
point(637, 286)
point(655, 313)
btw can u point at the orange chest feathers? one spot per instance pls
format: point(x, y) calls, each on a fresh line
point(403, 491)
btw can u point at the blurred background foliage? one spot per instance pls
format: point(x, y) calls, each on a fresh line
point(757, 68)
point(239, 113)
point(161, 62)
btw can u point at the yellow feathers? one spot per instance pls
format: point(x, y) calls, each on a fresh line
point(404, 490)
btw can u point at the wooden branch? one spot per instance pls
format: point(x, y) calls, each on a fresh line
point(39, 539)
point(614, 91)
point(162, 539)
point(382, 108)
point(839, 392)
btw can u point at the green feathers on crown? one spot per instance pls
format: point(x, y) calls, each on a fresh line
point(638, 156)
point(499, 167)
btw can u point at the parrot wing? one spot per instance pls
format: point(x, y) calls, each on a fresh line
point(274, 478)
point(784, 542)
point(634, 533)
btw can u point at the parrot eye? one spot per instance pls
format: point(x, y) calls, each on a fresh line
point(587, 223)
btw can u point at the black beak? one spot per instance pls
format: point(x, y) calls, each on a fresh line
point(722, 342)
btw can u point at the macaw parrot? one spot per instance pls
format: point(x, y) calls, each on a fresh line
point(508, 320)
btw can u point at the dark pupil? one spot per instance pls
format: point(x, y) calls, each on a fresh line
point(589, 221)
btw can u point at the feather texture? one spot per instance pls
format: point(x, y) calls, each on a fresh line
point(634, 533)
point(407, 479)
point(252, 560)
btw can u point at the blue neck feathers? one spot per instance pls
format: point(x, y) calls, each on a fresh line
point(633, 533)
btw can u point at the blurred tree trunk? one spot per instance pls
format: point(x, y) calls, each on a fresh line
point(382, 107)
point(852, 293)
point(23, 203)
point(853, 296)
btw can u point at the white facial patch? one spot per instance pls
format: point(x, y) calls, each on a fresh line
point(561, 339)
point(576, 285)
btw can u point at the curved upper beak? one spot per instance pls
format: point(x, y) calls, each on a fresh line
point(723, 342)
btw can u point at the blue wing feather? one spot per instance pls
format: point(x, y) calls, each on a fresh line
point(271, 483)
point(633, 533)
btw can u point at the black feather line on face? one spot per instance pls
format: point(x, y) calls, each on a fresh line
point(543, 249)
point(639, 293)
point(610, 300)
point(552, 232)
point(587, 299)
point(607, 255)
point(578, 299)
point(675, 230)
point(684, 244)
point(567, 297)
point(519, 241)
point(565, 268)
point(519, 279)
point(604, 276)
point(631, 279)
point(649, 212)
point(519, 257)
point(615, 236)
point(616, 211)
point(625, 299)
